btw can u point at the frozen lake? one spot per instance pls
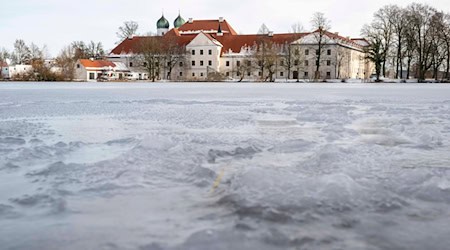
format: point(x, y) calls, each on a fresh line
point(224, 166)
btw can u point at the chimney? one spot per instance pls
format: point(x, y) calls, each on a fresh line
point(191, 20)
point(270, 33)
point(221, 19)
point(219, 31)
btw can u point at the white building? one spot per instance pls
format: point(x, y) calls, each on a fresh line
point(93, 70)
point(213, 46)
point(16, 71)
point(4, 71)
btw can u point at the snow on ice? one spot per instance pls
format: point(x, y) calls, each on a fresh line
point(297, 166)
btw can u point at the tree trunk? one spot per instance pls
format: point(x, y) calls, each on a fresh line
point(447, 76)
point(401, 68)
point(408, 69)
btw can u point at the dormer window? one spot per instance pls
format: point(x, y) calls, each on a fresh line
point(78, 66)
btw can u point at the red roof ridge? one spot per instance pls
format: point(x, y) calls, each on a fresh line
point(88, 63)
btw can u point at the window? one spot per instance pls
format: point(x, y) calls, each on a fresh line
point(259, 73)
point(260, 63)
point(193, 52)
point(281, 73)
point(238, 63)
point(193, 63)
point(228, 64)
point(201, 74)
point(201, 63)
point(181, 64)
point(168, 64)
point(181, 73)
point(131, 64)
point(193, 74)
point(201, 52)
point(306, 63)
point(307, 52)
point(249, 74)
point(228, 74)
point(209, 63)
point(78, 66)
point(297, 52)
point(329, 52)
point(282, 63)
point(328, 62)
point(91, 76)
point(249, 63)
point(296, 63)
point(210, 52)
point(328, 75)
point(145, 64)
point(306, 74)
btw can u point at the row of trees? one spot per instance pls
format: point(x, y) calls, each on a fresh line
point(62, 68)
point(415, 38)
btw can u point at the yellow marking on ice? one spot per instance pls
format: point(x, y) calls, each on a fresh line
point(218, 180)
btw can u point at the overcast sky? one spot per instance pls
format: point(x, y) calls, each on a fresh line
point(57, 23)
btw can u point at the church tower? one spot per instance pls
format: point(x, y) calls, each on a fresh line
point(162, 26)
point(179, 21)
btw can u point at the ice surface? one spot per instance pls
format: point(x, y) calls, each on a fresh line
point(224, 166)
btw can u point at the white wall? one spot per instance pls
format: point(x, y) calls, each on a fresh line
point(202, 43)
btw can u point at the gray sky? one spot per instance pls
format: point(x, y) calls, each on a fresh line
point(57, 23)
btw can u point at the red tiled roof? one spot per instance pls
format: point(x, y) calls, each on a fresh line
point(235, 43)
point(96, 63)
point(230, 39)
point(128, 45)
point(207, 25)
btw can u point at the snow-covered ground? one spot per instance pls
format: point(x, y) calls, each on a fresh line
point(224, 166)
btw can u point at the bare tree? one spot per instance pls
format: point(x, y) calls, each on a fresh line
point(66, 62)
point(382, 22)
point(295, 60)
point(266, 55)
point(128, 29)
point(36, 53)
point(321, 25)
point(342, 61)
point(421, 33)
point(397, 18)
point(95, 50)
point(86, 51)
point(446, 37)
point(151, 56)
point(244, 67)
point(297, 28)
point(439, 43)
point(4, 55)
point(21, 54)
point(172, 54)
point(375, 52)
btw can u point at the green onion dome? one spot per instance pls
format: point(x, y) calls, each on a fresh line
point(162, 23)
point(178, 22)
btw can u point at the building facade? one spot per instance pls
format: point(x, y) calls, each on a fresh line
point(213, 48)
